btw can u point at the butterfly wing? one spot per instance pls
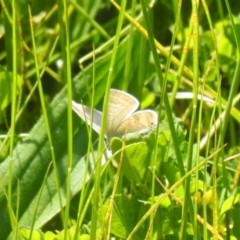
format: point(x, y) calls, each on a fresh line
point(84, 113)
point(139, 122)
point(121, 105)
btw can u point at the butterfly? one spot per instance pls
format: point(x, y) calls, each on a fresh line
point(122, 117)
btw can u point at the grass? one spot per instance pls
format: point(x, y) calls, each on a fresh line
point(179, 181)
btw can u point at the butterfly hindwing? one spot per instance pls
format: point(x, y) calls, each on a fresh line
point(139, 122)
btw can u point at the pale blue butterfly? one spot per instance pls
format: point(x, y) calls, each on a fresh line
point(122, 118)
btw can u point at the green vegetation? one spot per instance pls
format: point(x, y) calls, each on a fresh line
point(178, 181)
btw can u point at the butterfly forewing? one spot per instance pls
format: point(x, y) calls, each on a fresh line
point(121, 106)
point(84, 113)
point(139, 122)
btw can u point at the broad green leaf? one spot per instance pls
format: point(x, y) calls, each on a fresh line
point(125, 211)
point(229, 203)
point(164, 203)
point(134, 159)
point(36, 235)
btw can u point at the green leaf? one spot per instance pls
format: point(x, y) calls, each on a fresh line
point(166, 202)
point(37, 235)
point(228, 203)
point(134, 159)
point(124, 214)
